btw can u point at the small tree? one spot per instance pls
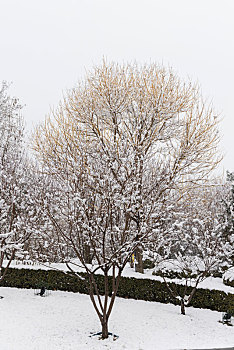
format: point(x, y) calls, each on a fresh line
point(198, 242)
point(117, 146)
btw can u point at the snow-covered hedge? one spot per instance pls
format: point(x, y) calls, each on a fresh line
point(142, 289)
point(228, 277)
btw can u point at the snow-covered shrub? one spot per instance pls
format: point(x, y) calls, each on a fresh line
point(228, 277)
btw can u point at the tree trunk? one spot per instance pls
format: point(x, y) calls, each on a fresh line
point(132, 260)
point(104, 329)
point(139, 258)
point(182, 307)
point(2, 274)
point(87, 254)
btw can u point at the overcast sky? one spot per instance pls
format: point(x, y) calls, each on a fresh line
point(47, 45)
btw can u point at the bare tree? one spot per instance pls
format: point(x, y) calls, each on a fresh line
point(117, 145)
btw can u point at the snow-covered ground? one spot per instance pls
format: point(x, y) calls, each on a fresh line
point(63, 321)
point(209, 283)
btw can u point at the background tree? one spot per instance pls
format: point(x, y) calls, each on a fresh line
point(228, 200)
point(118, 145)
point(18, 215)
point(198, 244)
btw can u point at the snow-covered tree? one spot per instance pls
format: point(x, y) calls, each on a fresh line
point(117, 146)
point(18, 214)
point(198, 243)
point(228, 200)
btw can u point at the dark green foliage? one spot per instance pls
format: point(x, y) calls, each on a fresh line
point(228, 282)
point(141, 289)
point(217, 274)
point(148, 264)
point(213, 300)
point(173, 274)
point(181, 275)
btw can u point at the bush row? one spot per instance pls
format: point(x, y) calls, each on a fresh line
point(141, 289)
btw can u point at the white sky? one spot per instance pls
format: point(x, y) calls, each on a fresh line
point(46, 45)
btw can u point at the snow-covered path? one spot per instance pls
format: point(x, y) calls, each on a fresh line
point(63, 321)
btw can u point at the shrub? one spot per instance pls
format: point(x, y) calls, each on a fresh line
point(148, 264)
point(228, 282)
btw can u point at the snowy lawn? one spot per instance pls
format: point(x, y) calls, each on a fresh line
point(63, 321)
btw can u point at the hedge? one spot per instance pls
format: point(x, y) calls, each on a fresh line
point(134, 288)
point(228, 282)
point(181, 275)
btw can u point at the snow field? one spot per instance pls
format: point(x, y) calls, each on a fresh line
point(63, 321)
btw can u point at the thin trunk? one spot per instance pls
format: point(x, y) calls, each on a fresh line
point(91, 294)
point(132, 261)
point(139, 258)
point(191, 295)
point(114, 293)
point(105, 329)
point(195, 288)
point(113, 279)
point(8, 264)
point(103, 310)
point(106, 316)
point(93, 284)
point(174, 295)
point(87, 254)
point(171, 291)
point(106, 293)
point(182, 307)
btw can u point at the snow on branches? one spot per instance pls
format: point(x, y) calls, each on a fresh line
point(18, 213)
point(197, 239)
point(117, 146)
